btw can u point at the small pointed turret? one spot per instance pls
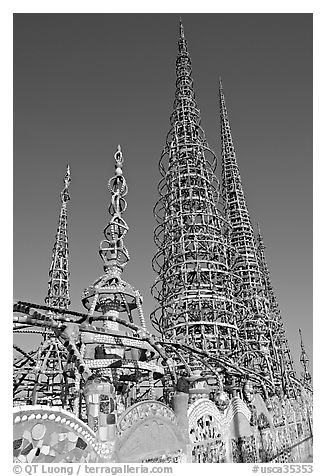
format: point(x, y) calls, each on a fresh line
point(283, 353)
point(304, 359)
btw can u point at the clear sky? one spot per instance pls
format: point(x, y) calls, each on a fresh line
point(85, 82)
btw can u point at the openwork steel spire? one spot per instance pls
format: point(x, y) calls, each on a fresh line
point(304, 359)
point(255, 326)
point(194, 287)
point(52, 359)
point(58, 290)
point(283, 353)
point(47, 378)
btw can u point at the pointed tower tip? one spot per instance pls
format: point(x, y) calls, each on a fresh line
point(260, 240)
point(182, 31)
point(118, 156)
point(67, 178)
point(220, 82)
point(58, 294)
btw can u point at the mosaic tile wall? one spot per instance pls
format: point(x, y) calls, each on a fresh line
point(45, 435)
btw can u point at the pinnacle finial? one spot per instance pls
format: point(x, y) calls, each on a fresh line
point(67, 178)
point(182, 32)
point(260, 240)
point(118, 157)
point(306, 376)
point(65, 197)
point(220, 83)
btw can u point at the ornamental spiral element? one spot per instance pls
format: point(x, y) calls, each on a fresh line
point(112, 249)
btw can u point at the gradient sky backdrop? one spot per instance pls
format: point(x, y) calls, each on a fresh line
point(85, 82)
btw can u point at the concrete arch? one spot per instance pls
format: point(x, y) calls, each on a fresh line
point(203, 407)
point(149, 430)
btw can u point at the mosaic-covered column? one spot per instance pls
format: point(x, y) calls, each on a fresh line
point(100, 399)
point(180, 401)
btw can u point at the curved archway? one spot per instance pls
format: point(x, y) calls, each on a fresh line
point(148, 432)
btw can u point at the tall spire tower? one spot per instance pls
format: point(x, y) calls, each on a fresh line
point(304, 359)
point(254, 323)
point(58, 289)
point(51, 371)
point(283, 352)
point(194, 287)
point(49, 378)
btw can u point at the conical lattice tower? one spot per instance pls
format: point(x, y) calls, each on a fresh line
point(195, 286)
point(283, 352)
point(255, 326)
point(44, 376)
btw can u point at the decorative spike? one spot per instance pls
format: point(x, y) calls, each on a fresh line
point(254, 324)
point(112, 250)
point(265, 276)
point(182, 33)
point(194, 287)
point(283, 353)
point(304, 359)
point(58, 288)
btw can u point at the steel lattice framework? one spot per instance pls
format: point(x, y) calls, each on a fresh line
point(195, 286)
point(283, 352)
point(45, 375)
point(255, 324)
point(58, 288)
